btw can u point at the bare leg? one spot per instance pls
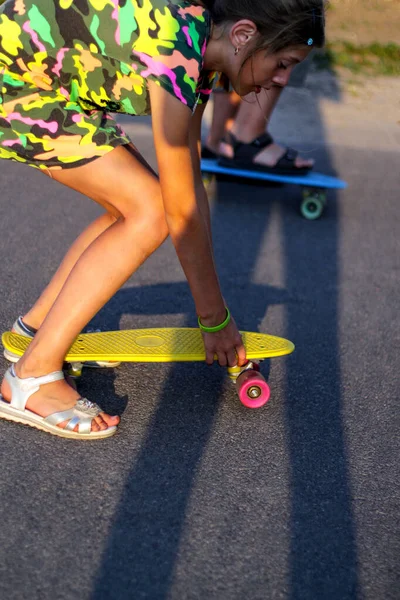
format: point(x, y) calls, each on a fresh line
point(252, 121)
point(224, 111)
point(36, 315)
point(254, 114)
point(121, 181)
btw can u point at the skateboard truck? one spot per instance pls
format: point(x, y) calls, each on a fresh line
point(234, 372)
point(75, 369)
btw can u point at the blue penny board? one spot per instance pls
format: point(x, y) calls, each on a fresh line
point(310, 179)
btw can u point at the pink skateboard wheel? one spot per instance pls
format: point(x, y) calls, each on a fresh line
point(252, 388)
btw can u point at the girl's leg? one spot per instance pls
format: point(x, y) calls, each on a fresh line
point(121, 181)
point(36, 315)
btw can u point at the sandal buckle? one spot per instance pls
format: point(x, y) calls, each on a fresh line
point(86, 406)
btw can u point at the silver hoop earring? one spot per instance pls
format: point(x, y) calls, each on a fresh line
point(236, 51)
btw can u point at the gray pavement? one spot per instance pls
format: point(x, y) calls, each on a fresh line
point(198, 497)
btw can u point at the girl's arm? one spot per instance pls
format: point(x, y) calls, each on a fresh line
point(188, 220)
point(195, 148)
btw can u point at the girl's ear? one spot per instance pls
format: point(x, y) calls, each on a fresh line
point(242, 33)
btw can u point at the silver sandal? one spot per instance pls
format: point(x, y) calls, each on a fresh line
point(20, 327)
point(82, 414)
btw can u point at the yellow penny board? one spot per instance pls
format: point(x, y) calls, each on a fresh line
point(177, 344)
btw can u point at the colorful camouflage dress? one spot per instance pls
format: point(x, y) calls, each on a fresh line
point(65, 65)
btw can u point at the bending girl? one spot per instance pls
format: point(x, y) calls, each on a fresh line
point(64, 67)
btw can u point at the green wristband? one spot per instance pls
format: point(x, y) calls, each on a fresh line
point(217, 327)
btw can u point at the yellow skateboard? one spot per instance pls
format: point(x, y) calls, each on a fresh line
point(168, 345)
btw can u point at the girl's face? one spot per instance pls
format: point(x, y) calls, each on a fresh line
point(264, 70)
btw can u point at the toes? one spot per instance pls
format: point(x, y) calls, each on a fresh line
point(110, 420)
point(302, 162)
point(100, 423)
point(96, 426)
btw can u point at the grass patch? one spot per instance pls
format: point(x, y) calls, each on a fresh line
point(371, 59)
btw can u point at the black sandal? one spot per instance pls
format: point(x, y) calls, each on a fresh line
point(207, 153)
point(243, 155)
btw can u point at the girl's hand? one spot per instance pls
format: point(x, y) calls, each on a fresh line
point(227, 345)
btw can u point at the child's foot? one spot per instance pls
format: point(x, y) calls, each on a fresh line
point(263, 152)
point(57, 397)
point(270, 156)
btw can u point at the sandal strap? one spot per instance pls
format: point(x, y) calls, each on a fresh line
point(288, 159)
point(22, 389)
point(82, 414)
point(247, 151)
point(84, 423)
point(58, 417)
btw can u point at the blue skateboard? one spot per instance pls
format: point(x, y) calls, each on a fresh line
point(314, 184)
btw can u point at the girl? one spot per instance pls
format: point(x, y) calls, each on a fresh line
point(64, 66)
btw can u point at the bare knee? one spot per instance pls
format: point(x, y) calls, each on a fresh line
point(155, 226)
point(150, 225)
point(110, 218)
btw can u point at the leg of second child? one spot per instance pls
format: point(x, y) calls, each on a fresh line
point(250, 121)
point(225, 108)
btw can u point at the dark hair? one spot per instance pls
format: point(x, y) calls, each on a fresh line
point(281, 23)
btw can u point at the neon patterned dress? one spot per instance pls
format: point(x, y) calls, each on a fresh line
point(65, 65)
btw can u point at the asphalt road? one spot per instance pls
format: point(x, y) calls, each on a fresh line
point(197, 497)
